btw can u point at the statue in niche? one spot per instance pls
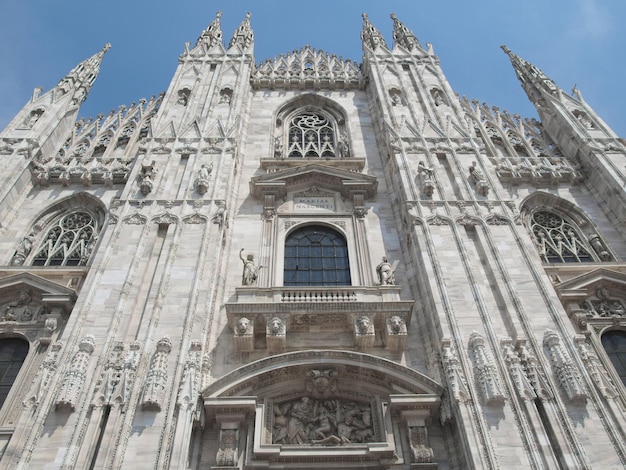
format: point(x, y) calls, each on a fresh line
point(241, 328)
point(250, 270)
point(202, 182)
point(437, 96)
point(477, 177)
point(32, 118)
point(278, 148)
point(385, 272)
point(183, 96)
point(426, 177)
point(396, 100)
point(343, 146)
point(147, 175)
point(23, 250)
point(584, 120)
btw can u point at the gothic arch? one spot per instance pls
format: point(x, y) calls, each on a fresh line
point(83, 204)
point(312, 101)
point(377, 375)
point(311, 126)
point(583, 232)
point(336, 406)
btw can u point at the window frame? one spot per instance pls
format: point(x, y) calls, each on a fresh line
point(329, 234)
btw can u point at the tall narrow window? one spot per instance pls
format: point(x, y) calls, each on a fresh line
point(558, 240)
point(311, 135)
point(316, 256)
point(13, 351)
point(69, 242)
point(614, 343)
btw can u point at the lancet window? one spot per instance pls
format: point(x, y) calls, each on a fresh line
point(13, 352)
point(68, 242)
point(614, 343)
point(559, 241)
point(316, 256)
point(311, 135)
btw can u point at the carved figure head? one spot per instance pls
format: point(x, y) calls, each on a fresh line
point(241, 328)
point(396, 323)
point(276, 326)
point(363, 324)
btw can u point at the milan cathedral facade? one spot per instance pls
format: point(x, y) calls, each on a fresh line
point(308, 263)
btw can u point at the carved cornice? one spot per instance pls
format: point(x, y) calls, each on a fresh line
point(346, 182)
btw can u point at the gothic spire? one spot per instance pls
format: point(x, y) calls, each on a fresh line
point(370, 36)
point(81, 78)
point(243, 36)
point(213, 34)
point(533, 80)
point(402, 35)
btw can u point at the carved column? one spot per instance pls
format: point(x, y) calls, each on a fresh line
point(156, 382)
point(76, 374)
point(564, 368)
point(486, 371)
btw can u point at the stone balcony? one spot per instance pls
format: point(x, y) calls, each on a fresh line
point(296, 317)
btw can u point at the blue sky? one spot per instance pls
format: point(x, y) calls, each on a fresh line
point(575, 42)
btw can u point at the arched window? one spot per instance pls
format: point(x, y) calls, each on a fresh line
point(68, 242)
point(316, 256)
point(614, 343)
point(311, 135)
point(559, 241)
point(13, 351)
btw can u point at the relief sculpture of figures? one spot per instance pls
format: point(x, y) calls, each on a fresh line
point(322, 422)
point(250, 270)
point(385, 271)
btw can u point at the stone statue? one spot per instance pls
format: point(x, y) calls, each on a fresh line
point(437, 96)
point(423, 170)
point(278, 148)
point(477, 177)
point(23, 250)
point(250, 270)
point(202, 181)
point(385, 273)
point(343, 146)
